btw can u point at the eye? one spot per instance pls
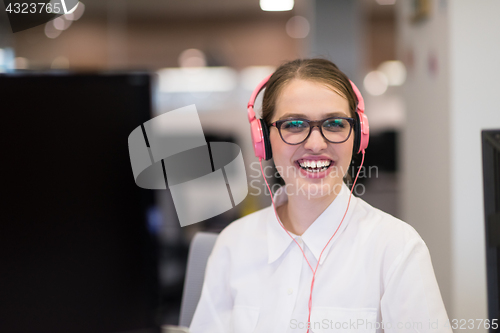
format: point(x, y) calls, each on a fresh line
point(336, 124)
point(294, 125)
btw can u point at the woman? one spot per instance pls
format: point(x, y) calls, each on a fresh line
point(324, 261)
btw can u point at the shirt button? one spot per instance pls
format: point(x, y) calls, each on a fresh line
point(290, 291)
point(299, 240)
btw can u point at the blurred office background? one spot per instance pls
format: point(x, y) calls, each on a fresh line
point(428, 70)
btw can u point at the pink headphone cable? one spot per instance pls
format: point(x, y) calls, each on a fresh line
point(319, 259)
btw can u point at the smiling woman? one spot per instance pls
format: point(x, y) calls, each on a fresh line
point(319, 258)
point(302, 150)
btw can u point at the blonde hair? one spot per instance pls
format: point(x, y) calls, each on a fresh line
point(317, 70)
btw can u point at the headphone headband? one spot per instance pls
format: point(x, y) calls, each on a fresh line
point(361, 101)
point(256, 91)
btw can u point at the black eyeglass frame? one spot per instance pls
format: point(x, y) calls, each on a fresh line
point(312, 124)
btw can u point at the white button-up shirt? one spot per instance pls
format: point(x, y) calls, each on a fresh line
point(375, 275)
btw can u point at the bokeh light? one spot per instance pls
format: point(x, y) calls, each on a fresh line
point(192, 58)
point(80, 9)
point(21, 63)
point(60, 63)
point(51, 31)
point(298, 27)
point(375, 83)
point(61, 24)
point(395, 71)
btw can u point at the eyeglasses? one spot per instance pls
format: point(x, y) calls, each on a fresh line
point(295, 131)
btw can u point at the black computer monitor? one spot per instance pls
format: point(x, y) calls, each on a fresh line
point(76, 251)
point(491, 176)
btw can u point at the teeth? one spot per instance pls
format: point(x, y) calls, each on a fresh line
point(316, 166)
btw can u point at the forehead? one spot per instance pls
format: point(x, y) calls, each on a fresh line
point(311, 100)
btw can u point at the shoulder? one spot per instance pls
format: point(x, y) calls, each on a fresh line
point(384, 231)
point(248, 224)
point(379, 221)
point(386, 241)
point(245, 231)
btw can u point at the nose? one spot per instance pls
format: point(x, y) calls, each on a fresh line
point(316, 142)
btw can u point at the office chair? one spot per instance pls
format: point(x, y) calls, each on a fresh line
point(199, 251)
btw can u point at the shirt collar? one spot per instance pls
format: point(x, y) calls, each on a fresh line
point(318, 234)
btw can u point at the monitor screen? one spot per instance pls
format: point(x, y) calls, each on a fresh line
point(76, 251)
point(491, 181)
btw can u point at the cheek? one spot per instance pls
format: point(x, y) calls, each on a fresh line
point(348, 148)
point(345, 151)
point(282, 153)
point(278, 147)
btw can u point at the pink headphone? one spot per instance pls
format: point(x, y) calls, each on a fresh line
point(260, 130)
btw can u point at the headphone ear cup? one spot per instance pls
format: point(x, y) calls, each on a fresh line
point(357, 134)
point(267, 142)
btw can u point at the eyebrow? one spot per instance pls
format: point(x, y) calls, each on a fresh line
point(302, 115)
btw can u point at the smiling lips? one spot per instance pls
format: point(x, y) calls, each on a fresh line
point(314, 166)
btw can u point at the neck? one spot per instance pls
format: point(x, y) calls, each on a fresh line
point(299, 212)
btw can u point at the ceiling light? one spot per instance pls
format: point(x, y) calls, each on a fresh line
point(276, 5)
point(200, 79)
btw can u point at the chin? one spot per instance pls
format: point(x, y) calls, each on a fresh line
point(314, 188)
